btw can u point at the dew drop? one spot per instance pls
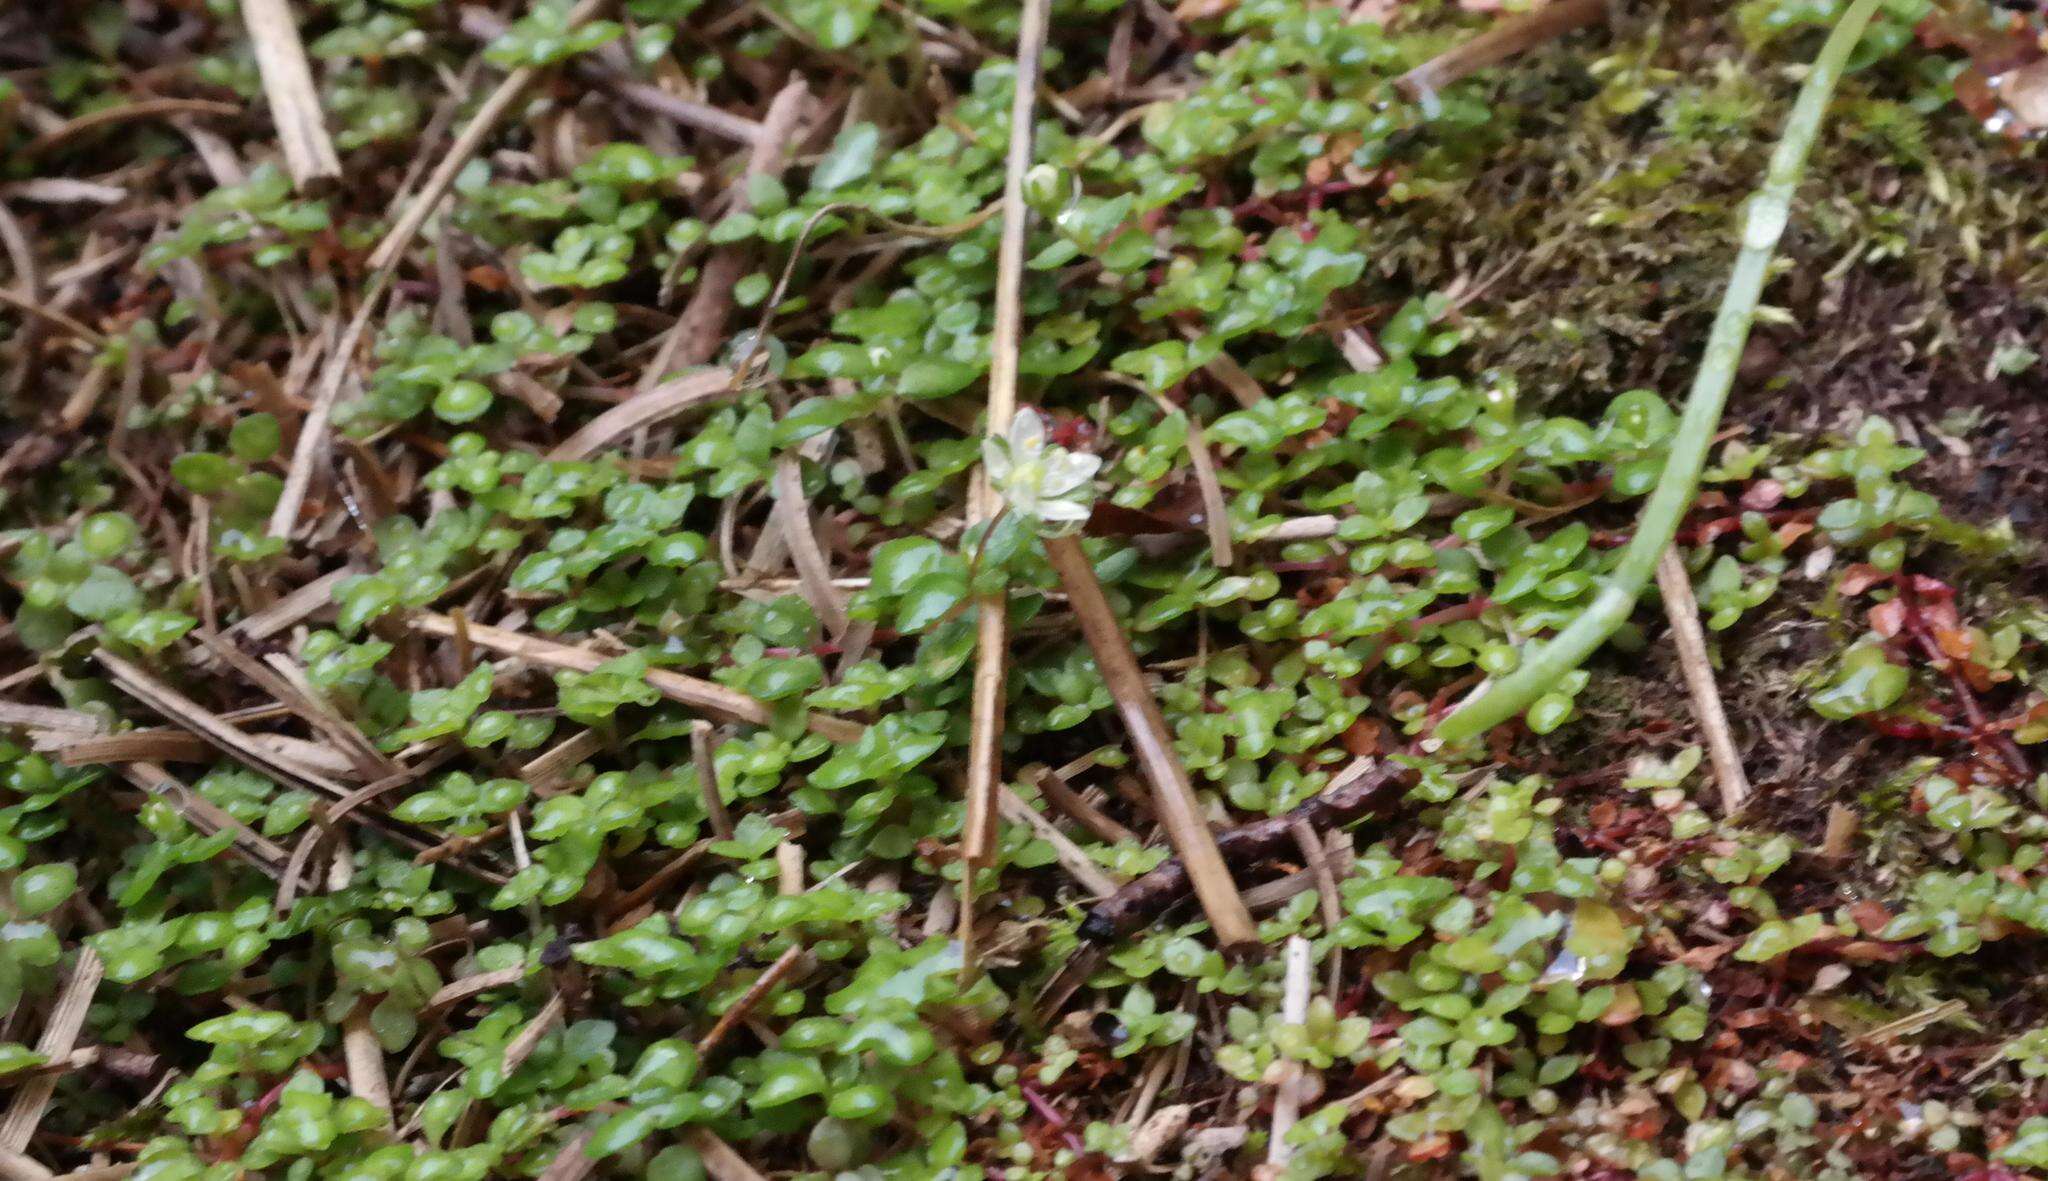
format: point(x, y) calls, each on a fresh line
point(1766, 222)
point(1566, 967)
point(1432, 106)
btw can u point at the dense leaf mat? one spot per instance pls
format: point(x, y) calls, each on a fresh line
point(526, 738)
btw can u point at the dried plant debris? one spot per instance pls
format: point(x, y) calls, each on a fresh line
point(492, 588)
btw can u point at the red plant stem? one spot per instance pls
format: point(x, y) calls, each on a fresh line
point(1051, 1115)
point(1441, 702)
point(269, 1100)
point(1981, 730)
point(1472, 608)
point(1911, 731)
point(1707, 530)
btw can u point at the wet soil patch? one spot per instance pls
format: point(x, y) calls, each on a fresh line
point(1985, 431)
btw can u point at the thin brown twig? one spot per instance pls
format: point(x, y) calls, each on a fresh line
point(546, 770)
point(1215, 512)
point(720, 1161)
point(626, 911)
point(1683, 610)
point(299, 696)
point(702, 754)
point(107, 116)
point(20, 255)
point(46, 717)
point(1912, 1023)
point(156, 744)
point(85, 396)
point(474, 985)
point(1290, 1092)
point(485, 25)
point(709, 696)
point(1173, 795)
point(792, 514)
point(1149, 1083)
point(572, 1163)
point(290, 609)
point(697, 333)
point(1099, 882)
point(985, 719)
point(364, 1057)
point(204, 814)
point(1270, 895)
point(460, 843)
point(1318, 861)
point(63, 190)
point(527, 1040)
point(33, 308)
point(329, 822)
point(1061, 794)
point(1508, 37)
point(644, 409)
point(764, 984)
point(60, 1037)
point(313, 442)
point(236, 744)
point(1361, 789)
point(288, 84)
point(466, 145)
point(789, 868)
point(1224, 368)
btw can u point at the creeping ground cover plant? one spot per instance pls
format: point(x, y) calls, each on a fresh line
point(1022, 589)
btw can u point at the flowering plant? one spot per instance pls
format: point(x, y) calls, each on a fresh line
point(1041, 480)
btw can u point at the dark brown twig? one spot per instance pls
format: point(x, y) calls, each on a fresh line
point(1061, 794)
point(1248, 845)
point(784, 964)
point(702, 755)
point(701, 328)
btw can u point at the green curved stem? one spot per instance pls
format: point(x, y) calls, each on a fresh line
point(1764, 224)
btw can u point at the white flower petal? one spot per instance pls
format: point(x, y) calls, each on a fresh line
point(1067, 471)
point(1027, 433)
point(995, 456)
point(1062, 510)
point(1063, 482)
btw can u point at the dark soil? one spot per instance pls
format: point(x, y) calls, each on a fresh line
point(1986, 434)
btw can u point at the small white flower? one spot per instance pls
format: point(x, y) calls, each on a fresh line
point(1043, 481)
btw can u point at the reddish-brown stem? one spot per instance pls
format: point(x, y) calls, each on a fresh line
point(1472, 608)
point(1981, 730)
